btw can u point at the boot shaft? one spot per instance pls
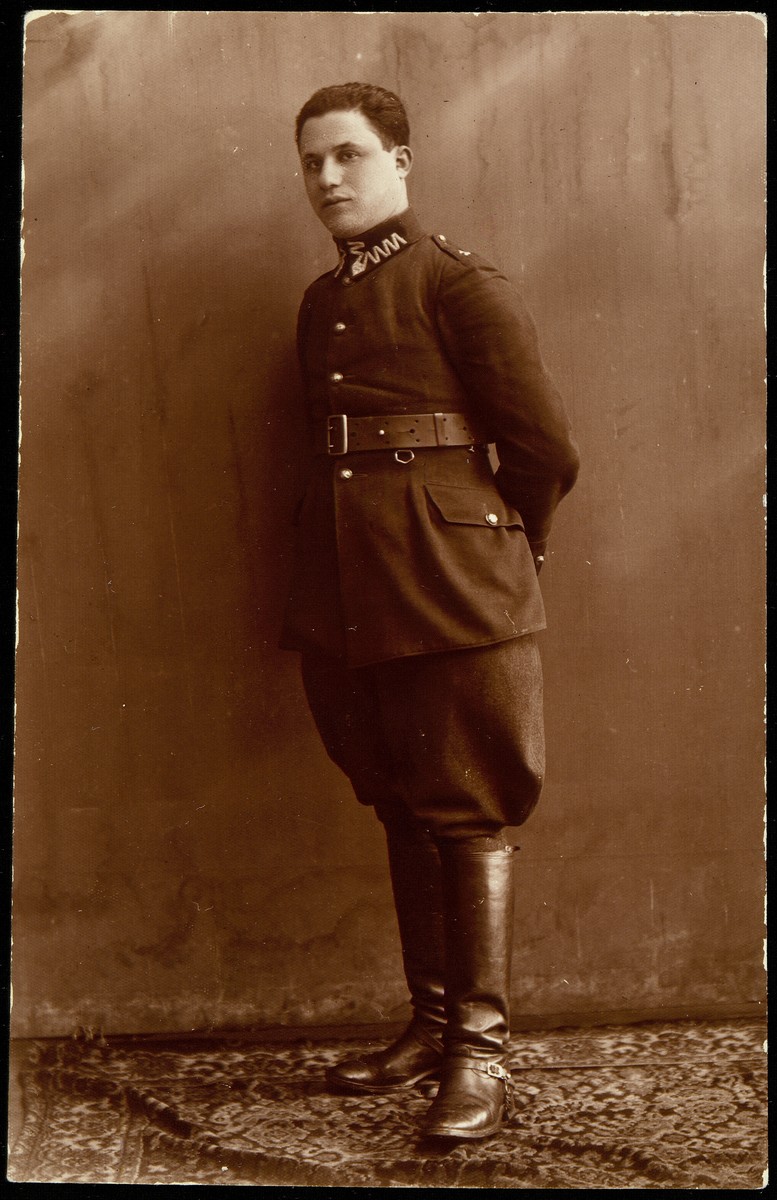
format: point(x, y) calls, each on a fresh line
point(416, 881)
point(478, 895)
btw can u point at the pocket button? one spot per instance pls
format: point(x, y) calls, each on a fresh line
point(492, 518)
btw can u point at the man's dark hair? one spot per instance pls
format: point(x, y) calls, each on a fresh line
point(385, 111)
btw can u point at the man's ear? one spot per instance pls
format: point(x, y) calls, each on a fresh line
point(403, 157)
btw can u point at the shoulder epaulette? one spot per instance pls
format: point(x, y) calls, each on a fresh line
point(455, 252)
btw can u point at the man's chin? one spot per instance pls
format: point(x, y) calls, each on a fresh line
point(339, 220)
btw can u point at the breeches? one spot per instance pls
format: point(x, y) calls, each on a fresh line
point(454, 741)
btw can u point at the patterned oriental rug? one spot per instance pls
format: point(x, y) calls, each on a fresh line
point(657, 1105)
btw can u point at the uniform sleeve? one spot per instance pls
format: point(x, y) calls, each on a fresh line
point(490, 337)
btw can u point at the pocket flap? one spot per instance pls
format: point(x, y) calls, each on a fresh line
point(471, 506)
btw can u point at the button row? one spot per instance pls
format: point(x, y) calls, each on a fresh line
point(336, 376)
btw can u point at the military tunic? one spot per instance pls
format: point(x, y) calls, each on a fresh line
point(404, 558)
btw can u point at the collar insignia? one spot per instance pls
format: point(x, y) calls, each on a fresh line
point(364, 255)
point(360, 255)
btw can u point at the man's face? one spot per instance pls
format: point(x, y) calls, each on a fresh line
point(352, 182)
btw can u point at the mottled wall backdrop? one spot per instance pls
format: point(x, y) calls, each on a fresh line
point(186, 857)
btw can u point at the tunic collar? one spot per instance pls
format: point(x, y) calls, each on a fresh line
point(360, 255)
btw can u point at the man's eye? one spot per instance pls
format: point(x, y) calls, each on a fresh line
point(347, 155)
point(310, 164)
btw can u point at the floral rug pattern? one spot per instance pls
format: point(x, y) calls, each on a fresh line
point(657, 1105)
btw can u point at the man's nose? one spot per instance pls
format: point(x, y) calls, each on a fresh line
point(330, 174)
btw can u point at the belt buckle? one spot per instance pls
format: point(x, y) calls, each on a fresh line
point(337, 434)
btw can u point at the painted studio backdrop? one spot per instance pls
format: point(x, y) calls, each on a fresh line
point(185, 855)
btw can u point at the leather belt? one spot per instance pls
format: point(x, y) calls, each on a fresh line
point(341, 434)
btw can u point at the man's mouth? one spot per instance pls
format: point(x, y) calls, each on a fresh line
point(334, 200)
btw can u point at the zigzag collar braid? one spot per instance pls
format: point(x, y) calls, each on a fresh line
point(362, 254)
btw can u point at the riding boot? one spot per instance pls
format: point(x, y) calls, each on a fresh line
point(414, 863)
point(474, 1096)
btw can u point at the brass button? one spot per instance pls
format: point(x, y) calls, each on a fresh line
point(346, 473)
point(336, 377)
point(346, 280)
point(339, 327)
point(492, 518)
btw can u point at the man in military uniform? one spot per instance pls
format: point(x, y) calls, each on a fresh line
point(415, 597)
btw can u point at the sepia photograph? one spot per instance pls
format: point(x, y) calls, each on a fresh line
point(388, 781)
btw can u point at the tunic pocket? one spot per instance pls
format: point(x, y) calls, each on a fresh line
point(472, 506)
